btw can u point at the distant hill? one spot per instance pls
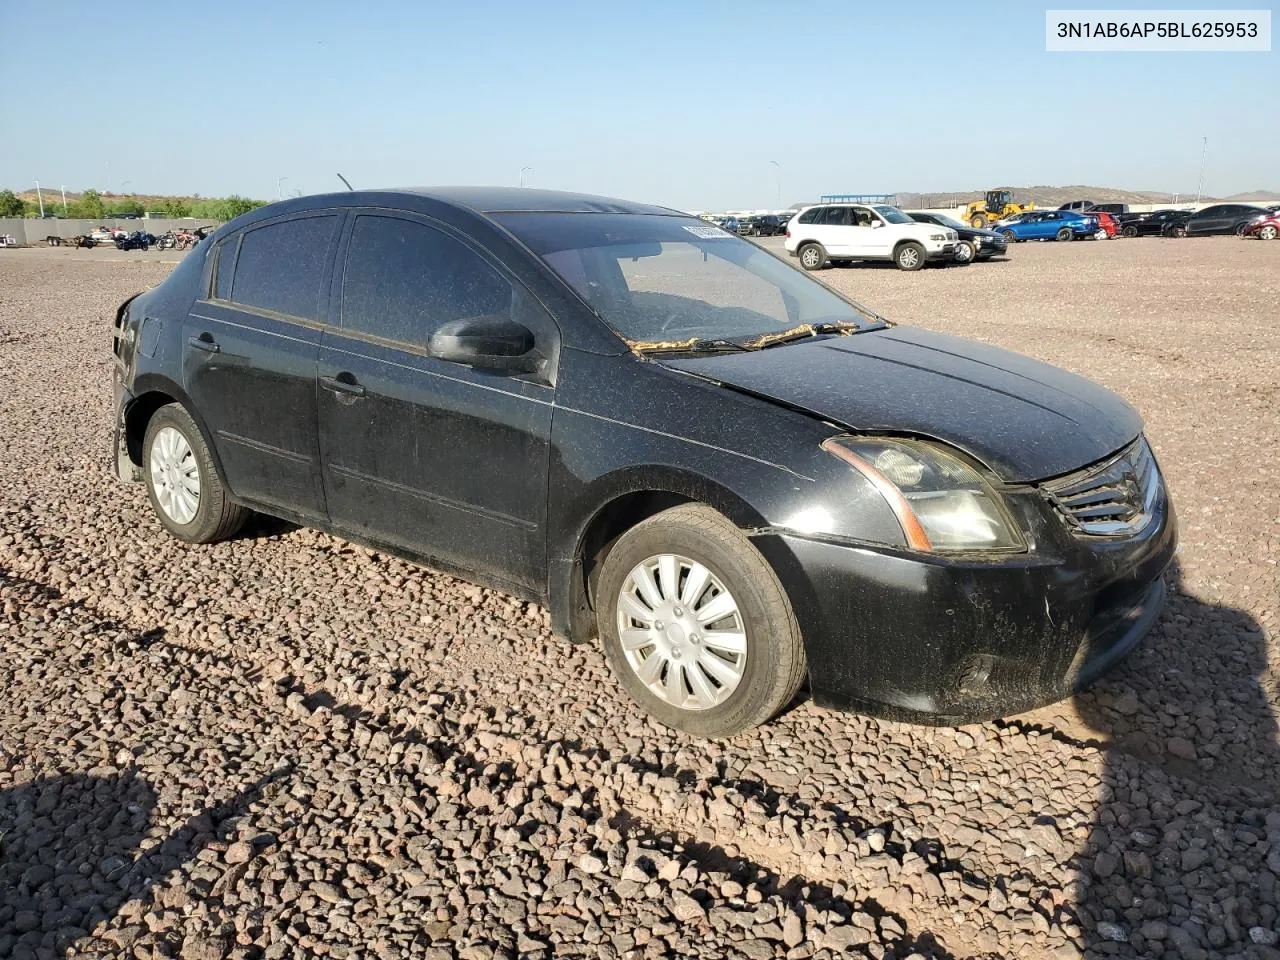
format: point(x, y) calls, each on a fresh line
point(1255, 196)
point(148, 200)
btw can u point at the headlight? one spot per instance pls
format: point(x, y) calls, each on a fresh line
point(941, 502)
point(937, 236)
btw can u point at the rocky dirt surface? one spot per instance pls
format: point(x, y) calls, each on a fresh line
point(287, 746)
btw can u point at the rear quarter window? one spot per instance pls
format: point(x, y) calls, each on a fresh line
point(281, 266)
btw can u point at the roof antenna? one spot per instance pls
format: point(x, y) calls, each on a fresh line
point(344, 180)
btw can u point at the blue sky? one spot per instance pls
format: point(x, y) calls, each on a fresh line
point(683, 103)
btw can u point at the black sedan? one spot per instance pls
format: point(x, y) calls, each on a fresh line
point(1220, 219)
point(975, 244)
point(730, 474)
point(1158, 223)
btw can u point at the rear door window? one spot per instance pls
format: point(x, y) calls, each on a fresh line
point(226, 263)
point(403, 279)
point(835, 217)
point(810, 216)
point(281, 266)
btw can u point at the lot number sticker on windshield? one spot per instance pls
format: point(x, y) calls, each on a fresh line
point(707, 231)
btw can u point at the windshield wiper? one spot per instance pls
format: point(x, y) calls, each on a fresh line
point(692, 345)
point(802, 332)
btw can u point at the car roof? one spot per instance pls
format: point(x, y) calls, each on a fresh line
point(486, 200)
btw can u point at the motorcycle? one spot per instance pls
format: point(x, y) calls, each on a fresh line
point(138, 240)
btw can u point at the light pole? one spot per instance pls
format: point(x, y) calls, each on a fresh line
point(1203, 150)
point(279, 181)
point(64, 199)
point(40, 199)
point(523, 171)
point(777, 174)
point(123, 185)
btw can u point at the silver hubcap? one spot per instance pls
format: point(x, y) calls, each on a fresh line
point(1267, 233)
point(908, 257)
point(810, 257)
point(964, 252)
point(682, 632)
point(175, 477)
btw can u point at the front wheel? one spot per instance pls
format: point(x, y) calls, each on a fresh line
point(185, 490)
point(812, 256)
point(965, 252)
point(909, 256)
point(979, 222)
point(1064, 235)
point(1268, 232)
point(1010, 236)
point(696, 625)
point(1178, 231)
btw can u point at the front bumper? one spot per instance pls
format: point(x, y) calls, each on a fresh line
point(989, 247)
point(945, 251)
point(931, 640)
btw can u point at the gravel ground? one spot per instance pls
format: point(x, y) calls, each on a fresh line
point(287, 746)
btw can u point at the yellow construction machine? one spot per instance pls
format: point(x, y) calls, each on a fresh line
point(997, 206)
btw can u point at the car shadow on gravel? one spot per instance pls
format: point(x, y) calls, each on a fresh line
point(76, 849)
point(1183, 854)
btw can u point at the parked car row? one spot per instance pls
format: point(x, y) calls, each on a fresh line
point(1241, 219)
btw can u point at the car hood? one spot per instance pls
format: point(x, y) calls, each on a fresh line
point(1024, 419)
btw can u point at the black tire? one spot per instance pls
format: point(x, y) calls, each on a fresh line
point(1065, 235)
point(216, 516)
point(966, 252)
point(1241, 229)
point(1178, 230)
point(979, 222)
point(1129, 232)
point(1268, 232)
point(775, 666)
point(1010, 236)
point(909, 256)
point(812, 256)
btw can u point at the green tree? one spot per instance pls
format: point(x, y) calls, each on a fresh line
point(90, 205)
point(11, 204)
point(175, 207)
point(121, 207)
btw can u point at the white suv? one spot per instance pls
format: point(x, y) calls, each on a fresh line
point(841, 232)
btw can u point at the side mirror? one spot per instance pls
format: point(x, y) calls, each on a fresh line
point(876, 223)
point(486, 343)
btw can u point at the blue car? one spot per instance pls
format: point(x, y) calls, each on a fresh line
point(1049, 225)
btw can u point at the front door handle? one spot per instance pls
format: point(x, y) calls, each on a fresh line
point(343, 383)
point(204, 342)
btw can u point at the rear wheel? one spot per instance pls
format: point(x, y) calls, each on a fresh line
point(185, 490)
point(1129, 232)
point(1064, 235)
point(909, 256)
point(1178, 230)
point(812, 256)
point(1268, 232)
point(965, 252)
point(1241, 229)
point(696, 626)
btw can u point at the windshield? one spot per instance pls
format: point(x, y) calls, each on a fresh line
point(893, 214)
point(659, 279)
point(944, 221)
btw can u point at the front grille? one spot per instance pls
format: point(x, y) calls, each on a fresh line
point(1114, 499)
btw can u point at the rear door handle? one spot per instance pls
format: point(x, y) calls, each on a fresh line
point(204, 342)
point(343, 383)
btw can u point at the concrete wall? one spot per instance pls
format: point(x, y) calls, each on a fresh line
point(32, 232)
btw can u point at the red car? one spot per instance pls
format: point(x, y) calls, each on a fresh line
point(1106, 221)
point(1268, 228)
